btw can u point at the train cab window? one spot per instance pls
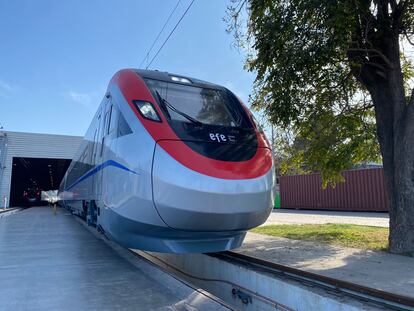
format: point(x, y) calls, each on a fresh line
point(123, 127)
point(200, 104)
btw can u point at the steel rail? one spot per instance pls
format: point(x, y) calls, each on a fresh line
point(395, 301)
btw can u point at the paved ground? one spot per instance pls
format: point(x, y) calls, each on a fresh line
point(8, 211)
point(379, 270)
point(287, 216)
point(52, 262)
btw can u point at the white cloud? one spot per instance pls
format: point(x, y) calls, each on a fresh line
point(5, 86)
point(6, 89)
point(81, 98)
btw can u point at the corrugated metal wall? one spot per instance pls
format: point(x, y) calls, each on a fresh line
point(363, 190)
point(34, 145)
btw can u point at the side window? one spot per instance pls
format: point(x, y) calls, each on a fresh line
point(106, 124)
point(110, 112)
point(93, 148)
point(97, 137)
point(123, 127)
point(113, 123)
point(104, 127)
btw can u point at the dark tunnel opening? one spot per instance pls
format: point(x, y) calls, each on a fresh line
point(31, 176)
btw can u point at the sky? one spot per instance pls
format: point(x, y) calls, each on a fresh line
point(57, 57)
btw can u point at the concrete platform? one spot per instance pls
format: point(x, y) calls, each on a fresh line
point(52, 262)
point(290, 217)
point(8, 211)
point(380, 270)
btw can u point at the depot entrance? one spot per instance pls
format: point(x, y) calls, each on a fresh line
point(30, 176)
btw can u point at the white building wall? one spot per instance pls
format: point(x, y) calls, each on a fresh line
point(33, 145)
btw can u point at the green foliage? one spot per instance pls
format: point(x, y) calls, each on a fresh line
point(407, 68)
point(301, 57)
point(330, 143)
point(307, 55)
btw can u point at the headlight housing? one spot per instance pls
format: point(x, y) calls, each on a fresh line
point(147, 110)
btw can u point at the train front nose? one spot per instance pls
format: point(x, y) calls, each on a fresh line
point(188, 200)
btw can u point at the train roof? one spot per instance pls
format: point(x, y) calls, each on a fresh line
point(167, 77)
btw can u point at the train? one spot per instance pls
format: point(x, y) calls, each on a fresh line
point(171, 164)
point(31, 195)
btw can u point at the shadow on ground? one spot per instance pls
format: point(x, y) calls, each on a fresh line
point(375, 269)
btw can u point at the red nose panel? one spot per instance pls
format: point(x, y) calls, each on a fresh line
point(134, 88)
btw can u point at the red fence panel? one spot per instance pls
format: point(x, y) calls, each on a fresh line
point(363, 190)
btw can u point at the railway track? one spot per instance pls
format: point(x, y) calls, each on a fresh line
point(364, 294)
point(343, 289)
point(386, 299)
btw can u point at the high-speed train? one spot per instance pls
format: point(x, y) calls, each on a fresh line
point(171, 164)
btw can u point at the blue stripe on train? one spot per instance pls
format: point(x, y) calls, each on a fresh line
point(99, 167)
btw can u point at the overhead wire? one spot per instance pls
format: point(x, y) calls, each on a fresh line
point(159, 33)
point(172, 31)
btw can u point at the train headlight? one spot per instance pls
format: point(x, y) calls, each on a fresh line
point(179, 79)
point(147, 110)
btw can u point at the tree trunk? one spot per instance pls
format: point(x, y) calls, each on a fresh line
point(402, 192)
point(395, 129)
point(399, 179)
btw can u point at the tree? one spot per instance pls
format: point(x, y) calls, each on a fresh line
point(335, 72)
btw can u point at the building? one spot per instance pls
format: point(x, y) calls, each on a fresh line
point(32, 160)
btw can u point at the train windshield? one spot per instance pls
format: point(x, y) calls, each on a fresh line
point(191, 104)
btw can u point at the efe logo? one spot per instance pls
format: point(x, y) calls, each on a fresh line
point(222, 138)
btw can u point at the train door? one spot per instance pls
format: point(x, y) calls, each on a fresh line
point(94, 151)
point(106, 151)
point(109, 153)
point(99, 149)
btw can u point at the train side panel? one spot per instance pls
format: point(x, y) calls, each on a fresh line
point(74, 189)
point(126, 182)
point(117, 176)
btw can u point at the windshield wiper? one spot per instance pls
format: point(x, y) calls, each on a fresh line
point(165, 103)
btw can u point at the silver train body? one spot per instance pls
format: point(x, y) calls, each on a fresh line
point(142, 186)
